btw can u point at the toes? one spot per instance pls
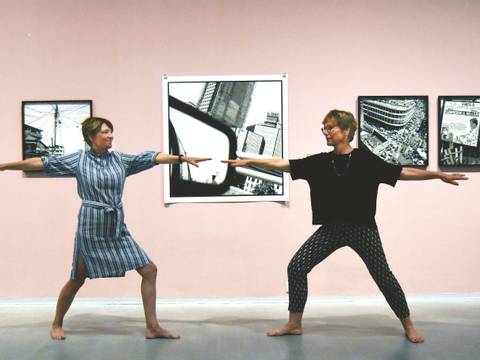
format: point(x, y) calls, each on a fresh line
point(161, 334)
point(280, 332)
point(416, 339)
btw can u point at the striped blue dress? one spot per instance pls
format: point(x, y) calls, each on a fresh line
point(102, 238)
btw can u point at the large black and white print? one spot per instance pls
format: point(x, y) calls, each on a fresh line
point(225, 117)
point(395, 128)
point(459, 118)
point(53, 127)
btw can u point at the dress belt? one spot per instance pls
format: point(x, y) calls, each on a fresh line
point(108, 208)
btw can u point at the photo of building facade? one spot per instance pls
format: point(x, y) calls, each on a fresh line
point(253, 111)
point(395, 128)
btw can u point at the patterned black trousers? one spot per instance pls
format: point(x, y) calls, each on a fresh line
point(365, 241)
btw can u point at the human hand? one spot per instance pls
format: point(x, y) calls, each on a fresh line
point(194, 160)
point(236, 163)
point(452, 178)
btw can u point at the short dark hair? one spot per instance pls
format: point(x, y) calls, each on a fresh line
point(91, 126)
point(474, 121)
point(344, 119)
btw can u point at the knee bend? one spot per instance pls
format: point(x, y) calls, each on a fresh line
point(150, 271)
point(295, 270)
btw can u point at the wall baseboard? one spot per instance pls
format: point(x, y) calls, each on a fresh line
point(332, 300)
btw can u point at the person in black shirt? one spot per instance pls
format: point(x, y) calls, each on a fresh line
point(343, 191)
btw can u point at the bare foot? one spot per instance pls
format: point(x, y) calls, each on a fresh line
point(160, 333)
point(56, 333)
point(287, 329)
point(413, 335)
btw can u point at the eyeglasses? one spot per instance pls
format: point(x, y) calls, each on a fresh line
point(328, 130)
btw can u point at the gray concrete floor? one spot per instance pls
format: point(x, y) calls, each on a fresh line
point(342, 328)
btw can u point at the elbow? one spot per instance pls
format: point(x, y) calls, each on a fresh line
point(406, 174)
point(40, 164)
point(285, 166)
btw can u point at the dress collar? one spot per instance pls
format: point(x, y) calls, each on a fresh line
point(101, 156)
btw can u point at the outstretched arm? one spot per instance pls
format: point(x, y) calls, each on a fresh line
point(35, 163)
point(176, 159)
point(419, 174)
point(268, 164)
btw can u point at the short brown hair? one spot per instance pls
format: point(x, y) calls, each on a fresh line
point(344, 119)
point(91, 126)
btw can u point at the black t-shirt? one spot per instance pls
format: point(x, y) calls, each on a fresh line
point(343, 188)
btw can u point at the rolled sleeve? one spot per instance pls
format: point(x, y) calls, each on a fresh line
point(135, 163)
point(61, 165)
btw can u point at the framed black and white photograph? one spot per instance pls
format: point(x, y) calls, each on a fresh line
point(395, 128)
point(53, 127)
point(458, 126)
point(225, 117)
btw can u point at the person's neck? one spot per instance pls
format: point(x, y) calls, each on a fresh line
point(343, 149)
point(98, 151)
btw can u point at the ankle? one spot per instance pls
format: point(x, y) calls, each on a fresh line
point(407, 323)
point(295, 320)
point(294, 324)
point(153, 327)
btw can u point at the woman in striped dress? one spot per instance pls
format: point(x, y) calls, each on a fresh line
point(103, 244)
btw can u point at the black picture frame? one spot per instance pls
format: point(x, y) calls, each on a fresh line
point(53, 127)
point(395, 128)
point(459, 131)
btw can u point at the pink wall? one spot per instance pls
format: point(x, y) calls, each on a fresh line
point(115, 52)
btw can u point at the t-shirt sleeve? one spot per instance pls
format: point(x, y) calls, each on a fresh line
point(385, 172)
point(135, 163)
point(61, 165)
point(302, 168)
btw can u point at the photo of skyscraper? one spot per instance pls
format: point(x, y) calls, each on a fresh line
point(253, 110)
